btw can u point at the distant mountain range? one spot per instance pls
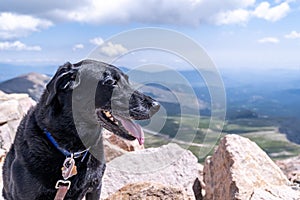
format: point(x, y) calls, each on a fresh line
point(253, 94)
point(8, 71)
point(32, 84)
point(265, 92)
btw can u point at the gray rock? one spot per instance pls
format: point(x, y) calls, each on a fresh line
point(169, 165)
point(240, 170)
point(291, 168)
point(13, 107)
point(149, 191)
point(275, 193)
point(6, 134)
point(10, 110)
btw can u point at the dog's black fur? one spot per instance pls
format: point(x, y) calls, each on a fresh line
point(70, 111)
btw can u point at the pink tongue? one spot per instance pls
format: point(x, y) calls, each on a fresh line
point(134, 129)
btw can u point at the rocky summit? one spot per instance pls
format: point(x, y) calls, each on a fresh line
point(237, 170)
point(240, 170)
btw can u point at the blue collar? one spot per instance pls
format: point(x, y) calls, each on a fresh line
point(64, 151)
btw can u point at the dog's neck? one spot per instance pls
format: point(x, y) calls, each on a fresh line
point(62, 127)
point(72, 131)
point(64, 151)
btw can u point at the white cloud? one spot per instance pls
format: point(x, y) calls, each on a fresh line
point(15, 25)
point(112, 50)
point(18, 46)
point(184, 12)
point(293, 35)
point(179, 12)
point(273, 40)
point(77, 47)
point(239, 16)
point(265, 11)
point(97, 41)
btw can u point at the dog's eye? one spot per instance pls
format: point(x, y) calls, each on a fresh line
point(109, 81)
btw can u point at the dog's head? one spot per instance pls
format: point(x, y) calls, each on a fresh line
point(101, 92)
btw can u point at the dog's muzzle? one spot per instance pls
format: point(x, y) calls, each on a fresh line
point(154, 108)
point(124, 125)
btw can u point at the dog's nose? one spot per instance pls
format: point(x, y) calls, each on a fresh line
point(154, 107)
point(155, 104)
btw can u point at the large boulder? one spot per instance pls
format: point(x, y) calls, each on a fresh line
point(13, 107)
point(240, 170)
point(149, 191)
point(169, 165)
point(275, 193)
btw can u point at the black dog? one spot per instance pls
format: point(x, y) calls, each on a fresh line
point(65, 128)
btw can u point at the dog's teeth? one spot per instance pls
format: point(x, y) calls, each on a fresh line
point(111, 119)
point(107, 114)
point(117, 123)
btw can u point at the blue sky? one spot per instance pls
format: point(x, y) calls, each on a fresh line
point(236, 34)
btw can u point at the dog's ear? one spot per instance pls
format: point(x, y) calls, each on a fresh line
point(64, 78)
